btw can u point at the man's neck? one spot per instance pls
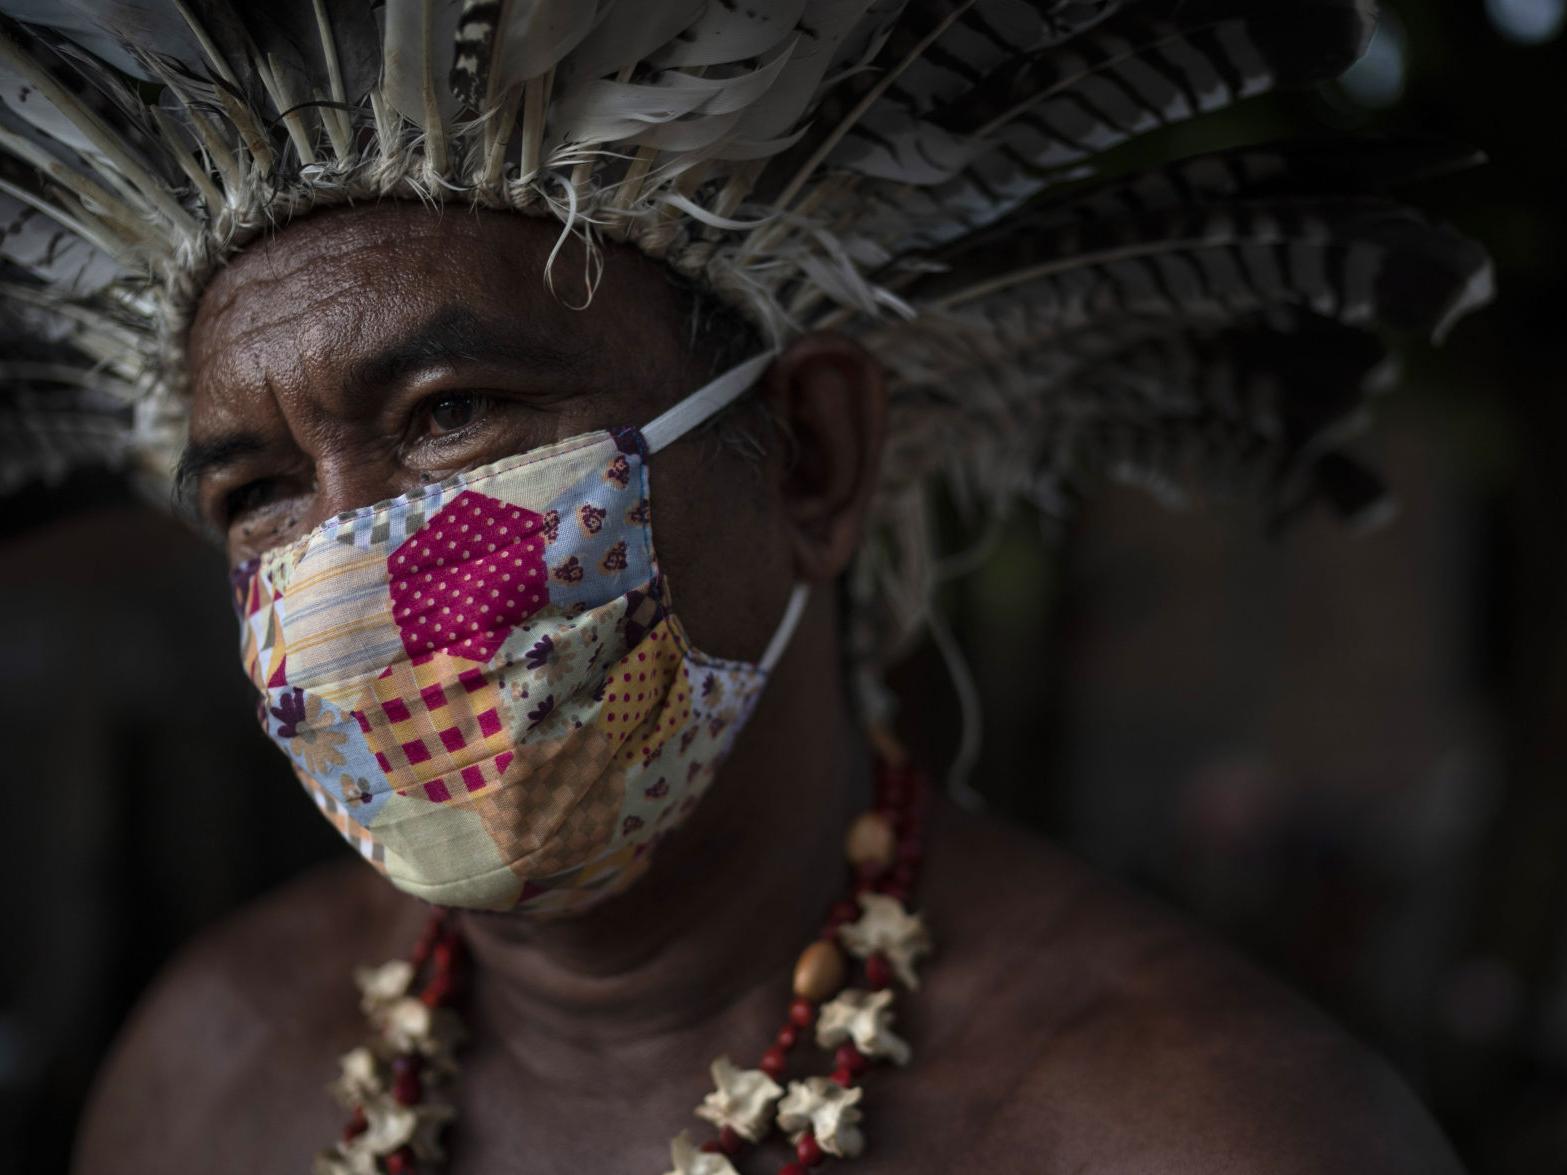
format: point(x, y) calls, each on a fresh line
point(728, 903)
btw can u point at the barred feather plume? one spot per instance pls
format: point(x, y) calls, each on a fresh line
point(917, 172)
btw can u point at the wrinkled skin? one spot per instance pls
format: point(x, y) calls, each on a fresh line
point(1063, 1026)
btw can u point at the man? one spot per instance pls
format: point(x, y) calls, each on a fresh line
point(356, 374)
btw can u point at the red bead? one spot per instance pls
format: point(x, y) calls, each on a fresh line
point(444, 950)
point(400, 1162)
point(433, 930)
point(788, 1036)
point(843, 1077)
point(423, 947)
point(842, 912)
point(845, 911)
point(808, 1150)
point(437, 992)
point(802, 1013)
point(728, 1142)
point(850, 1058)
point(878, 973)
point(773, 1062)
point(791, 1169)
point(406, 1086)
point(357, 1125)
point(408, 1089)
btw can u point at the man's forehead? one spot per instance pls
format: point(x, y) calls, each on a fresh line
point(405, 226)
point(402, 248)
point(392, 281)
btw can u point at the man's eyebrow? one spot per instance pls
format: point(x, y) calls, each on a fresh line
point(203, 457)
point(456, 334)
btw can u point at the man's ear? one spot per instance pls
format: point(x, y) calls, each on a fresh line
point(830, 397)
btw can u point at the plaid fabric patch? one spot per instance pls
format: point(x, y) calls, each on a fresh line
point(433, 739)
point(555, 811)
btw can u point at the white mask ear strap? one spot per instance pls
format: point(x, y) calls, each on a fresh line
point(786, 627)
point(704, 402)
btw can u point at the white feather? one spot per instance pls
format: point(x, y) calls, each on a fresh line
point(76, 20)
point(607, 111)
point(690, 134)
point(732, 32)
point(866, 103)
point(51, 107)
point(537, 34)
point(417, 49)
point(128, 218)
point(69, 263)
point(76, 221)
point(21, 95)
point(824, 26)
point(335, 121)
point(626, 33)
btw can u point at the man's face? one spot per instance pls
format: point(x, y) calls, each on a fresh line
point(363, 352)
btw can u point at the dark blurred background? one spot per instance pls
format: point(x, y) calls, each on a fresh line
point(1344, 753)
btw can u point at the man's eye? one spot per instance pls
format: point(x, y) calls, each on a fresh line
point(453, 411)
point(250, 496)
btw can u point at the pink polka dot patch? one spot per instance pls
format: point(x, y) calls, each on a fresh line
point(467, 576)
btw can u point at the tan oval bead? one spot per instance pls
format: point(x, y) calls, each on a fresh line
point(870, 841)
point(820, 972)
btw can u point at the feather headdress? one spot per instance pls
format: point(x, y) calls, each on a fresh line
point(913, 171)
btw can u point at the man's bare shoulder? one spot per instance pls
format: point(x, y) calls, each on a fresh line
point(264, 987)
point(1126, 1040)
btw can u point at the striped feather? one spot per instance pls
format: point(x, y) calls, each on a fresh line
point(1025, 121)
point(501, 44)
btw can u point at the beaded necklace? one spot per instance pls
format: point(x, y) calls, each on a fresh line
point(391, 1084)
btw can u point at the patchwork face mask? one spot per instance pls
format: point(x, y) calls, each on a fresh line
point(481, 683)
